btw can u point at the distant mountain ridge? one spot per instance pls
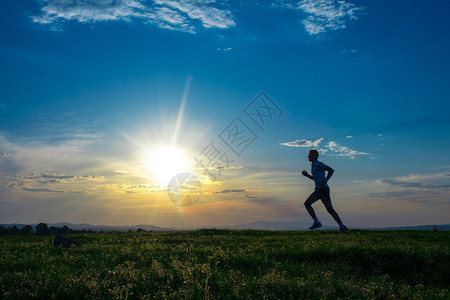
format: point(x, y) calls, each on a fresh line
point(274, 226)
point(254, 225)
point(442, 227)
point(306, 225)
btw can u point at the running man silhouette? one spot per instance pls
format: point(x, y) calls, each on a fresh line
point(321, 190)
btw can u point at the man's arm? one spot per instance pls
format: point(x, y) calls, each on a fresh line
point(330, 171)
point(304, 173)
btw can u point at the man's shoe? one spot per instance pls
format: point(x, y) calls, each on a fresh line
point(315, 226)
point(343, 229)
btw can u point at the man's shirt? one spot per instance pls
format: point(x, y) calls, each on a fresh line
point(318, 172)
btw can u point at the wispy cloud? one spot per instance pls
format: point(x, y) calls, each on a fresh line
point(229, 191)
point(303, 143)
point(52, 183)
point(432, 181)
point(442, 167)
point(72, 165)
point(339, 150)
point(421, 197)
point(23, 157)
point(40, 190)
point(134, 188)
point(319, 16)
point(265, 200)
point(86, 11)
point(49, 182)
point(182, 15)
point(407, 184)
point(323, 15)
point(403, 194)
point(331, 148)
point(423, 189)
point(203, 11)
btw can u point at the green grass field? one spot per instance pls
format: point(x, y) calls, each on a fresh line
point(218, 264)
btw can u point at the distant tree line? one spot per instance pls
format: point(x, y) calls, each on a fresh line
point(41, 229)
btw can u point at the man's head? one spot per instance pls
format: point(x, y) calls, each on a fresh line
point(313, 155)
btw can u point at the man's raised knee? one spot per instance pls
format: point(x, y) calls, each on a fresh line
point(307, 204)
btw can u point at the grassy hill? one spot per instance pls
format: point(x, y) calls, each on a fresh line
point(218, 264)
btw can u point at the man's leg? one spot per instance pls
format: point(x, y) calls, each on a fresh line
point(331, 211)
point(311, 199)
point(334, 214)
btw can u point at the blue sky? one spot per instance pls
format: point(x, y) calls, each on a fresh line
point(89, 89)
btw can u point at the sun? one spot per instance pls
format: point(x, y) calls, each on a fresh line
point(165, 162)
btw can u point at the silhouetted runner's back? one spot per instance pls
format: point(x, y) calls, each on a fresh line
point(321, 190)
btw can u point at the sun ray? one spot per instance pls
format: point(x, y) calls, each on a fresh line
point(181, 111)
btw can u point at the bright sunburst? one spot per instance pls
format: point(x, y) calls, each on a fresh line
point(165, 162)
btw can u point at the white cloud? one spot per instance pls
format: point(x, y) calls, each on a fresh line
point(429, 181)
point(420, 197)
point(322, 150)
point(86, 11)
point(442, 167)
point(320, 16)
point(331, 148)
point(168, 18)
point(423, 189)
point(323, 15)
point(28, 156)
point(34, 167)
point(303, 143)
point(78, 165)
point(340, 150)
point(176, 15)
point(229, 191)
point(49, 182)
point(207, 15)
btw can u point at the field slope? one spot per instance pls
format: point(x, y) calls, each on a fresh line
point(240, 264)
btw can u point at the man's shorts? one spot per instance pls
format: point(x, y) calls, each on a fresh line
point(323, 194)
